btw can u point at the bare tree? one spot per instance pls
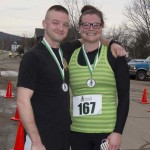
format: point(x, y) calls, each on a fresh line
point(25, 43)
point(138, 27)
point(121, 34)
point(138, 14)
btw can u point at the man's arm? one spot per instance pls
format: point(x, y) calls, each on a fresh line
point(26, 115)
point(105, 41)
point(116, 49)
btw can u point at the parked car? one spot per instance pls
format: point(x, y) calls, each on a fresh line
point(139, 68)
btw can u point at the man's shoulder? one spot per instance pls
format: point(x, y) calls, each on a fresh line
point(32, 54)
point(36, 50)
point(70, 44)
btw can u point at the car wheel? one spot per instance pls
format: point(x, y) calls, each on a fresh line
point(141, 75)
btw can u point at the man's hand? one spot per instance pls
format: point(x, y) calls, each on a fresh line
point(38, 146)
point(117, 50)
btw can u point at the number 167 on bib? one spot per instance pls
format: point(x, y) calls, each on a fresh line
point(87, 105)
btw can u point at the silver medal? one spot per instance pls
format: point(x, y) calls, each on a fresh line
point(90, 83)
point(64, 87)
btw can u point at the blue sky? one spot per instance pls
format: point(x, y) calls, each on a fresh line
point(21, 17)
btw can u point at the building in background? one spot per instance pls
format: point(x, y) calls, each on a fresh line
point(14, 46)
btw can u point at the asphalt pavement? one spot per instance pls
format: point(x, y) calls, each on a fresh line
point(8, 127)
point(136, 134)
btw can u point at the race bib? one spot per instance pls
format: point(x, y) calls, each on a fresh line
point(87, 105)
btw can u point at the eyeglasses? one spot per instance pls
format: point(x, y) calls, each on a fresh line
point(87, 25)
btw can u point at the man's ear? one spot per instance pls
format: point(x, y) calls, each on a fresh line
point(44, 23)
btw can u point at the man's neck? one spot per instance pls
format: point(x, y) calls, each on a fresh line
point(53, 44)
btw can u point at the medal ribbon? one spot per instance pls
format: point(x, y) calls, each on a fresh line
point(91, 67)
point(55, 58)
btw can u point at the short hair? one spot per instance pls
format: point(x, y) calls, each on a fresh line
point(88, 9)
point(58, 8)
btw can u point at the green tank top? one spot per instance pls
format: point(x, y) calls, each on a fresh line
point(105, 85)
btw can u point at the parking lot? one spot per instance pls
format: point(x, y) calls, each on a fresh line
point(137, 130)
point(136, 134)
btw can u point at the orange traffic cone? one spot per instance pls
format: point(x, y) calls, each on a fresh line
point(19, 144)
point(144, 97)
point(16, 117)
point(9, 91)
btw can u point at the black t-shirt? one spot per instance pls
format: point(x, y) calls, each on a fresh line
point(39, 72)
